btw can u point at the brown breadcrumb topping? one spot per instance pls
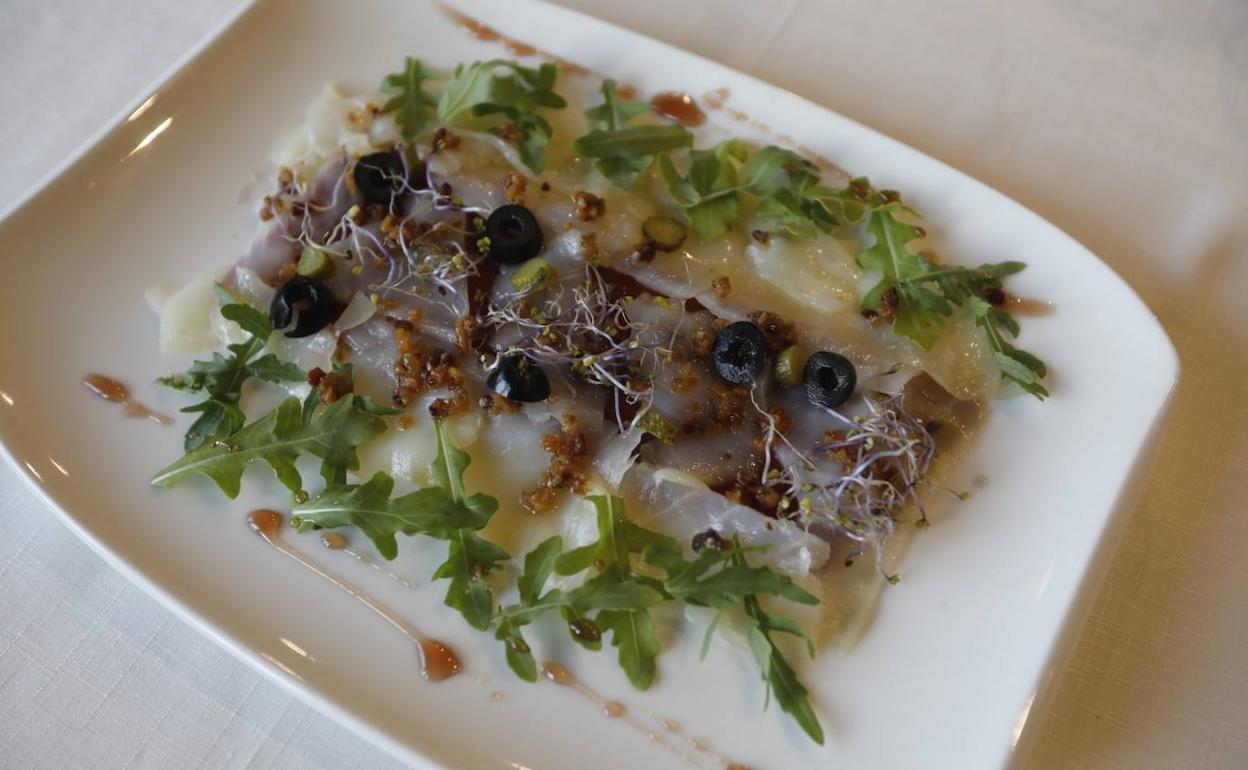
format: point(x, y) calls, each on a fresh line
point(725, 409)
point(510, 132)
point(746, 490)
point(444, 140)
point(778, 333)
point(467, 333)
point(495, 404)
point(569, 454)
point(701, 343)
point(588, 206)
point(419, 369)
point(589, 248)
point(515, 186)
point(330, 386)
point(686, 380)
point(722, 286)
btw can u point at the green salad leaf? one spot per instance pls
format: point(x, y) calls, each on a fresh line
point(470, 558)
point(331, 433)
point(1016, 365)
point(708, 191)
point(512, 91)
point(413, 108)
point(920, 295)
point(622, 153)
point(782, 681)
point(220, 379)
point(368, 507)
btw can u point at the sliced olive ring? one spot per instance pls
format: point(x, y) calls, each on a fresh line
point(307, 302)
point(379, 176)
point(514, 235)
point(739, 353)
point(520, 379)
point(829, 379)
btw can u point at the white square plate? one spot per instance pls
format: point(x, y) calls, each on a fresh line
point(958, 652)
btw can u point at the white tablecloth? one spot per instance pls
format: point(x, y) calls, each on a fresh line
point(1124, 122)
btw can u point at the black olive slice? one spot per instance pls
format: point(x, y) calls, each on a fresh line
point(307, 302)
point(515, 236)
point(829, 379)
point(739, 353)
point(520, 379)
point(379, 176)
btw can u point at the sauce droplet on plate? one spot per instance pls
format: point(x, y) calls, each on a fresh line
point(678, 106)
point(114, 392)
point(437, 660)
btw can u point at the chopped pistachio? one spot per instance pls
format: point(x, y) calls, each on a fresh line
point(789, 366)
point(658, 426)
point(665, 232)
point(315, 263)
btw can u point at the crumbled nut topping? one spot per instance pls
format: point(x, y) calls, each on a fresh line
point(588, 206)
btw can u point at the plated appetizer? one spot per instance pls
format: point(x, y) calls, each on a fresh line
point(634, 379)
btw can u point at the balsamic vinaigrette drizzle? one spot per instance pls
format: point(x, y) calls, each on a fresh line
point(437, 661)
point(613, 709)
point(113, 391)
point(678, 106)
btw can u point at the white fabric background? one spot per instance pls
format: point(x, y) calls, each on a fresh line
point(1126, 123)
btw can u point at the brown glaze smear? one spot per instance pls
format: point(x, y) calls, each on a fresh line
point(336, 542)
point(437, 660)
point(518, 47)
point(678, 106)
point(107, 388)
point(1027, 307)
point(114, 392)
point(265, 523)
point(657, 732)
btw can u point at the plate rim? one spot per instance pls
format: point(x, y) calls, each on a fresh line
point(1066, 633)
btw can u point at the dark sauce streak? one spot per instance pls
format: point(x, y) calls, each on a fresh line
point(518, 47)
point(613, 709)
point(114, 392)
point(437, 660)
point(678, 106)
point(1027, 307)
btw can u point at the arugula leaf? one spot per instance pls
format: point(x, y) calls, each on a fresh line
point(920, 295)
point(918, 310)
point(623, 153)
point(614, 111)
point(516, 92)
point(368, 507)
point(221, 378)
point(774, 168)
point(413, 107)
point(278, 438)
point(605, 592)
point(1016, 365)
point(470, 558)
point(721, 579)
point(632, 632)
point(631, 627)
point(779, 676)
point(618, 539)
point(793, 198)
point(708, 191)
